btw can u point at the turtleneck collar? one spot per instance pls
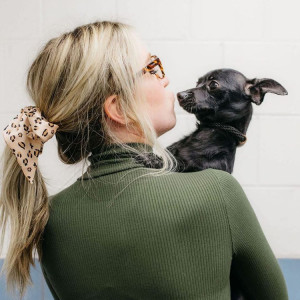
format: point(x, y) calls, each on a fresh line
point(115, 151)
point(113, 158)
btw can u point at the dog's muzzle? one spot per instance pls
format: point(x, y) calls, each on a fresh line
point(181, 96)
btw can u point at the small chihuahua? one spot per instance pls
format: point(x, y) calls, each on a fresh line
point(222, 102)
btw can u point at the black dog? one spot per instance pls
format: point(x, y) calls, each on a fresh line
point(222, 102)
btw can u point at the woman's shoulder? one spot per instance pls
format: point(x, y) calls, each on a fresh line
point(197, 184)
point(209, 177)
point(218, 184)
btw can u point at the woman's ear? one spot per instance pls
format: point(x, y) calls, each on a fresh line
point(112, 109)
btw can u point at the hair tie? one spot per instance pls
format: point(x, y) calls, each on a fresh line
point(25, 135)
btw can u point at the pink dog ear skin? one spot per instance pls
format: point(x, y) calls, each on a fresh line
point(257, 88)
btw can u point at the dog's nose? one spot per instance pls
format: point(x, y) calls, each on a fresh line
point(183, 95)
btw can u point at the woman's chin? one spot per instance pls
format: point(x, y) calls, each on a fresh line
point(172, 125)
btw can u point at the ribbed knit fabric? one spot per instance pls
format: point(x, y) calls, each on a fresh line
point(174, 236)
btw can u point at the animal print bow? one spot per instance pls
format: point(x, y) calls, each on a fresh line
point(25, 135)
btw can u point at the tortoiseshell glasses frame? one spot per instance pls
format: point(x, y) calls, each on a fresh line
point(154, 62)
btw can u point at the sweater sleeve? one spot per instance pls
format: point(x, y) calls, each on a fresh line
point(254, 264)
point(55, 296)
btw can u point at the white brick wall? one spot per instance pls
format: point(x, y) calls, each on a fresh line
point(259, 38)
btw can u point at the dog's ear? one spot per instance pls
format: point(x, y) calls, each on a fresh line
point(257, 88)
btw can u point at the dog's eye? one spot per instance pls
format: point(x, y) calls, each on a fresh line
point(213, 84)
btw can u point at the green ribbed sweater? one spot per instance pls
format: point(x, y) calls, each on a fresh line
point(174, 236)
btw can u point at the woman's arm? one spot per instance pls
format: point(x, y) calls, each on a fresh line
point(254, 262)
point(49, 284)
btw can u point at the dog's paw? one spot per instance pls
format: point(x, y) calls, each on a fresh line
point(149, 160)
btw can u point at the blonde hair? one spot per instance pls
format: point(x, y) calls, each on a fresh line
point(69, 81)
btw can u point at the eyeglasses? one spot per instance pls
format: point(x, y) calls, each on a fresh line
point(154, 67)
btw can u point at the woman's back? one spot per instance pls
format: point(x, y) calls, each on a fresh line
point(166, 237)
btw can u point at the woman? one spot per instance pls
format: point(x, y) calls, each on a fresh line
point(121, 231)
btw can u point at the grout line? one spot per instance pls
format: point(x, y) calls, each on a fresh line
point(40, 19)
point(116, 14)
point(189, 23)
point(223, 54)
point(194, 40)
point(259, 115)
point(189, 40)
point(258, 154)
point(273, 186)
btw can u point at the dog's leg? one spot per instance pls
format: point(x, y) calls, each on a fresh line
point(218, 162)
point(185, 164)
